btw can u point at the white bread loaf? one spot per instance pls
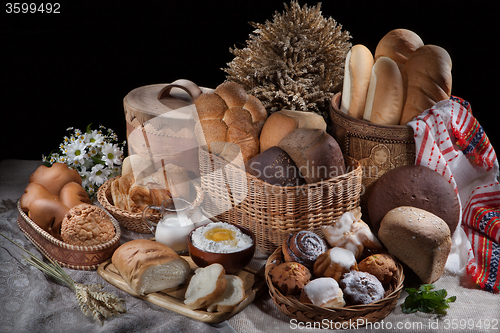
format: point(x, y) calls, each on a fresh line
point(148, 266)
point(233, 295)
point(206, 286)
point(229, 114)
point(419, 239)
point(398, 44)
point(384, 101)
point(280, 123)
point(357, 72)
point(427, 80)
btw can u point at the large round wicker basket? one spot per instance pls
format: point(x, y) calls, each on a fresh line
point(129, 220)
point(272, 212)
point(360, 315)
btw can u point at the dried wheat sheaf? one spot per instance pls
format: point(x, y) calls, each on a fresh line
point(296, 61)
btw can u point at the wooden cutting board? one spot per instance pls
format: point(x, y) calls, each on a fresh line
point(173, 299)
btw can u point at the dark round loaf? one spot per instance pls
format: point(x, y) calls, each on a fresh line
point(275, 167)
point(414, 186)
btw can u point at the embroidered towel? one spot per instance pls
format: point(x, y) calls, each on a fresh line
point(451, 141)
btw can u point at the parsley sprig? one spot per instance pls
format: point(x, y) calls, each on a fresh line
point(427, 300)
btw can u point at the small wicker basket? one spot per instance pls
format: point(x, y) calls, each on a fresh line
point(129, 220)
point(360, 315)
point(271, 212)
point(67, 255)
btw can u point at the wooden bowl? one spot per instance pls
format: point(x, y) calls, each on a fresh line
point(233, 262)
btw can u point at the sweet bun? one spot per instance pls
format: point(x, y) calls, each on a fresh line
point(229, 114)
point(280, 123)
point(427, 80)
point(315, 152)
point(384, 100)
point(73, 194)
point(48, 214)
point(303, 247)
point(335, 263)
point(55, 177)
point(290, 277)
point(358, 68)
point(275, 166)
point(398, 44)
point(361, 288)
point(87, 225)
point(416, 186)
point(419, 239)
point(35, 191)
point(324, 292)
point(381, 265)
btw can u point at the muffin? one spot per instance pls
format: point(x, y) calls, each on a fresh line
point(381, 265)
point(290, 277)
point(361, 288)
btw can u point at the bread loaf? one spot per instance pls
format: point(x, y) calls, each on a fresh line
point(148, 266)
point(315, 152)
point(358, 68)
point(232, 296)
point(384, 101)
point(229, 114)
point(398, 44)
point(419, 239)
point(206, 286)
point(55, 177)
point(427, 80)
point(280, 123)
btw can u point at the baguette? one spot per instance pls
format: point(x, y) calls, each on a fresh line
point(384, 101)
point(206, 286)
point(426, 79)
point(357, 72)
point(148, 266)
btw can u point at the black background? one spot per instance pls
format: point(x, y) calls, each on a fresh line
point(74, 68)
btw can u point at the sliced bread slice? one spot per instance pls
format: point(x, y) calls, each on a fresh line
point(234, 294)
point(206, 286)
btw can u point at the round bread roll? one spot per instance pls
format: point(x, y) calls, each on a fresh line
point(73, 194)
point(35, 191)
point(416, 186)
point(384, 101)
point(229, 114)
point(280, 123)
point(315, 152)
point(427, 80)
point(398, 44)
point(55, 177)
point(358, 68)
point(48, 214)
point(419, 239)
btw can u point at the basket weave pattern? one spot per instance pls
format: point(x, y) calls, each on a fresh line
point(271, 212)
point(359, 314)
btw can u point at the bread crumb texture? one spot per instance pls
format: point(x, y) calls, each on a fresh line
point(87, 225)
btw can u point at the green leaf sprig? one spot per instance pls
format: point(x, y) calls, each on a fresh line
point(427, 300)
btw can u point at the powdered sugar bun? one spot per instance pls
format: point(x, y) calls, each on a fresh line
point(303, 247)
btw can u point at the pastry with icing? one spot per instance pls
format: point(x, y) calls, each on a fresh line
point(324, 292)
point(335, 263)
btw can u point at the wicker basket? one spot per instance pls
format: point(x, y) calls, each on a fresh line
point(271, 212)
point(363, 140)
point(67, 255)
point(129, 220)
point(357, 314)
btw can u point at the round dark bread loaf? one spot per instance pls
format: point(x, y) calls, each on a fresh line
point(274, 166)
point(415, 186)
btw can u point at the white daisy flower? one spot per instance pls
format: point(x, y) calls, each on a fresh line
point(94, 138)
point(111, 154)
point(99, 174)
point(76, 152)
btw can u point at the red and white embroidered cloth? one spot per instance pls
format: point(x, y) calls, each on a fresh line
point(451, 141)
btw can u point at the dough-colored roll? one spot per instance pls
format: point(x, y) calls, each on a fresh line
point(357, 72)
point(384, 101)
point(398, 44)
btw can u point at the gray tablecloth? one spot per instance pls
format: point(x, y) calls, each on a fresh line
point(31, 302)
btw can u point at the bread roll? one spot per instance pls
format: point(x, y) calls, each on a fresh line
point(398, 44)
point(48, 214)
point(315, 152)
point(419, 239)
point(358, 68)
point(148, 266)
point(206, 286)
point(229, 114)
point(280, 123)
point(427, 80)
point(324, 292)
point(73, 194)
point(35, 191)
point(384, 101)
point(55, 177)
point(233, 295)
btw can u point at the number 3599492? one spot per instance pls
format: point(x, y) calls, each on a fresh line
point(32, 8)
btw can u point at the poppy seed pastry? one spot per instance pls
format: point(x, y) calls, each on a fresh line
point(274, 166)
point(415, 186)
